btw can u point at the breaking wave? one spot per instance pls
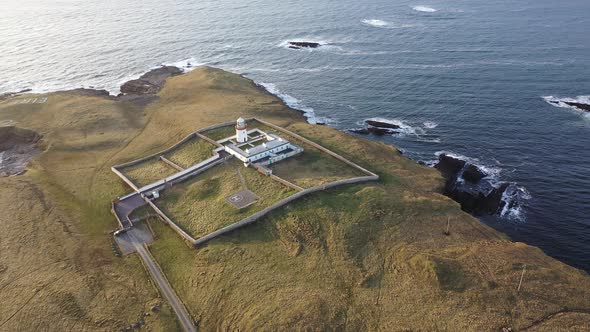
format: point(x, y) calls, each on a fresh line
point(424, 9)
point(514, 198)
point(430, 124)
point(292, 102)
point(563, 103)
point(404, 129)
point(186, 65)
point(377, 23)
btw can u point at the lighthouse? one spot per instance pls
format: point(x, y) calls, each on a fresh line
point(241, 131)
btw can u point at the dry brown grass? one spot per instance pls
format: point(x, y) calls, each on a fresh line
point(58, 271)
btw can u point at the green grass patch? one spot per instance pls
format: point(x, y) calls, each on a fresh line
point(220, 133)
point(191, 152)
point(313, 168)
point(199, 206)
point(148, 172)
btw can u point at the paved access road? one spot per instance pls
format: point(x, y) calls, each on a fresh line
point(162, 282)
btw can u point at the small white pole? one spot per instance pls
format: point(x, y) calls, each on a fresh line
point(521, 277)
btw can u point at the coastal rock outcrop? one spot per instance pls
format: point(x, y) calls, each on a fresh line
point(91, 92)
point(17, 147)
point(584, 107)
point(151, 82)
point(581, 103)
point(303, 44)
point(466, 184)
point(376, 127)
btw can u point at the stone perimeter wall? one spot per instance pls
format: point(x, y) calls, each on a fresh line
point(248, 220)
point(260, 214)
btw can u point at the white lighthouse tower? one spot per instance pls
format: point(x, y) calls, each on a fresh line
point(241, 131)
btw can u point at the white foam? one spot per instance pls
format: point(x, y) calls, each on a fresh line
point(377, 23)
point(514, 198)
point(404, 128)
point(560, 102)
point(292, 102)
point(424, 9)
point(430, 124)
point(186, 65)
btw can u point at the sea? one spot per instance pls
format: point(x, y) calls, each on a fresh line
point(470, 78)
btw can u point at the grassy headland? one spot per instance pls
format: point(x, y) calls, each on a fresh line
point(362, 257)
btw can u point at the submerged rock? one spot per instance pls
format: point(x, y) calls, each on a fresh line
point(298, 45)
point(376, 127)
point(381, 124)
point(584, 107)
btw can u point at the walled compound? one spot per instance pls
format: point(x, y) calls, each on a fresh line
point(253, 147)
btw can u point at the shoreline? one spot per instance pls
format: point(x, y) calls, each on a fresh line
point(398, 240)
point(155, 79)
point(143, 89)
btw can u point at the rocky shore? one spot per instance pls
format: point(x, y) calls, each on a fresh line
point(149, 83)
point(467, 184)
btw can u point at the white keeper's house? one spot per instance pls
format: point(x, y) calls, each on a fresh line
point(254, 146)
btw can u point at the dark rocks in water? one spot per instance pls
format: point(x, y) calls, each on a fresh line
point(473, 173)
point(584, 107)
point(298, 45)
point(449, 166)
point(382, 124)
point(478, 202)
point(375, 127)
point(361, 131)
point(477, 195)
point(151, 82)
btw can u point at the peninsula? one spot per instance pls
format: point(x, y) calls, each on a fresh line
point(392, 253)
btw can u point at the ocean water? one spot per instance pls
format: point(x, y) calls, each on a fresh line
point(467, 77)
